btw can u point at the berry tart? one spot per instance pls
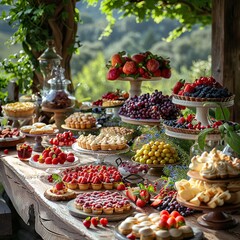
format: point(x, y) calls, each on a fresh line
point(102, 202)
point(59, 192)
point(204, 89)
point(95, 177)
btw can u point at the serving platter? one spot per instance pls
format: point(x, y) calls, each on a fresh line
point(137, 121)
point(198, 234)
point(111, 217)
point(64, 126)
point(53, 166)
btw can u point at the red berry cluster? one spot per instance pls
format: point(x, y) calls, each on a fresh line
point(145, 65)
point(87, 222)
point(63, 139)
point(53, 155)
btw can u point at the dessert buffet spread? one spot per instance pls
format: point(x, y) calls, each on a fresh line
point(100, 189)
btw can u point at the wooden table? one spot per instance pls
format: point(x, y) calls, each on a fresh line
point(52, 219)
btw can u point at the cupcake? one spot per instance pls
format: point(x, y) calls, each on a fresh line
point(104, 144)
point(79, 204)
point(107, 184)
point(97, 208)
point(83, 184)
point(73, 184)
point(176, 234)
point(125, 228)
point(94, 145)
point(162, 235)
point(96, 184)
point(119, 207)
point(186, 231)
point(108, 208)
point(87, 208)
point(146, 233)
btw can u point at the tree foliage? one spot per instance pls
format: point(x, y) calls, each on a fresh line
point(37, 21)
point(188, 13)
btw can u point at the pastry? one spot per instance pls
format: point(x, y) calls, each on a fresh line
point(208, 171)
point(97, 208)
point(162, 235)
point(135, 230)
point(26, 129)
point(38, 125)
point(59, 194)
point(108, 208)
point(176, 234)
point(125, 227)
point(19, 109)
point(146, 233)
point(186, 231)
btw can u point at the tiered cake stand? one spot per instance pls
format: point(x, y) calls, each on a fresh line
point(100, 154)
point(38, 147)
point(59, 115)
point(216, 218)
point(135, 84)
point(202, 115)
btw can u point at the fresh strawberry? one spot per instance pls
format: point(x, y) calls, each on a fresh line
point(35, 157)
point(156, 203)
point(163, 225)
point(164, 212)
point(138, 58)
point(152, 65)
point(113, 74)
point(55, 161)
point(190, 117)
point(157, 73)
point(181, 120)
point(116, 59)
point(178, 86)
point(48, 160)
point(131, 236)
point(175, 214)
point(95, 221)
point(59, 185)
point(166, 73)
point(180, 221)
point(130, 194)
point(87, 222)
point(103, 222)
point(121, 186)
point(141, 203)
point(172, 222)
point(189, 88)
point(70, 158)
point(144, 194)
point(5, 151)
point(130, 67)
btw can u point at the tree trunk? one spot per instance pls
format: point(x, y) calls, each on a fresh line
point(226, 48)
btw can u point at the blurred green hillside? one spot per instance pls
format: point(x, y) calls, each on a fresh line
point(88, 66)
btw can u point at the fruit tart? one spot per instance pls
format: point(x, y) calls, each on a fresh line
point(59, 192)
point(202, 89)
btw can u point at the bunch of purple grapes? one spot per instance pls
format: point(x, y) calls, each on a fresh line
point(146, 106)
point(170, 204)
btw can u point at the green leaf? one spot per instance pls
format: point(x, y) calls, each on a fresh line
point(202, 137)
point(56, 177)
point(222, 113)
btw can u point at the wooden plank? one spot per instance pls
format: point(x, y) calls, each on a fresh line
point(226, 48)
